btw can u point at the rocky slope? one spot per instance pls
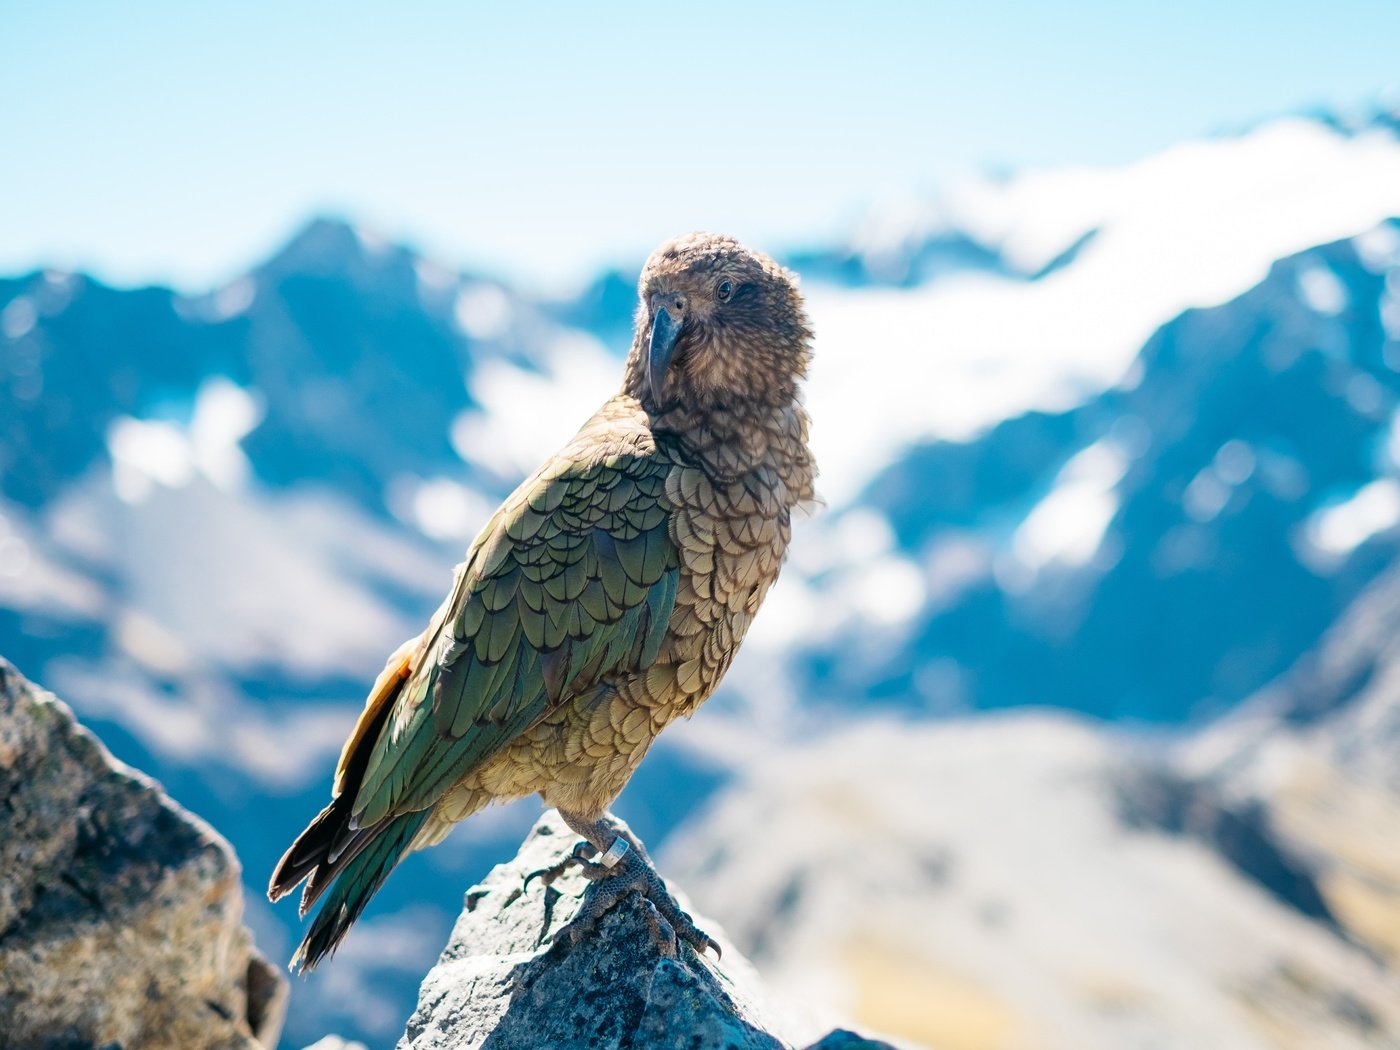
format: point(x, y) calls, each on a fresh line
point(1031, 881)
point(501, 983)
point(1319, 752)
point(120, 912)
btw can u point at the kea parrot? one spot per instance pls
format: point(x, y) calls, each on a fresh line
point(604, 598)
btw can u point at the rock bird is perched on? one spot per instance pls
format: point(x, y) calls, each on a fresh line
point(606, 597)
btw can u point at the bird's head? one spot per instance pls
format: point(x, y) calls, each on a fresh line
point(717, 324)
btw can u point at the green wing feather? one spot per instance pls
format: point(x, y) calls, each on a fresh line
point(574, 578)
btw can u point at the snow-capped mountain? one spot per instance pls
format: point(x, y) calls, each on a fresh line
point(1045, 483)
point(1155, 553)
point(1089, 264)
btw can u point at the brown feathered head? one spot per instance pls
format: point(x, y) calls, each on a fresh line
point(717, 324)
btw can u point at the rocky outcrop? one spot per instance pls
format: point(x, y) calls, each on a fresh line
point(500, 984)
point(120, 912)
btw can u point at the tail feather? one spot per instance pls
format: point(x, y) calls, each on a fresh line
point(332, 851)
point(356, 880)
point(308, 852)
point(344, 849)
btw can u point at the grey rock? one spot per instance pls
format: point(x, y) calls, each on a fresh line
point(120, 912)
point(500, 984)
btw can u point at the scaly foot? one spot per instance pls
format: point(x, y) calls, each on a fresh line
point(622, 867)
point(628, 873)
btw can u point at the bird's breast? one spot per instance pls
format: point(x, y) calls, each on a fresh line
point(731, 535)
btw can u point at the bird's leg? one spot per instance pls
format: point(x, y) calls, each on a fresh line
point(623, 867)
point(584, 852)
point(580, 855)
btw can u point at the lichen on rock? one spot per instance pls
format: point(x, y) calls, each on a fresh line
point(120, 912)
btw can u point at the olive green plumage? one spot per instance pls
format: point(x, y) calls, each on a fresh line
point(604, 598)
point(574, 575)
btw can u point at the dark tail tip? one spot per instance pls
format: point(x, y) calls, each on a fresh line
point(327, 930)
point(358, 880)
point(306, 854)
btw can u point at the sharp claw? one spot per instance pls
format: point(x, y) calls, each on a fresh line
point(579, 855)
point(694, 935)
point(630, 873)
point(661, 931)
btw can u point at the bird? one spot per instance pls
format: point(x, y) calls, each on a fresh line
point(605, 598)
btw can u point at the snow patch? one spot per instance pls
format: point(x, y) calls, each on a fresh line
point(1390, 306)
point(1206, 496)
point(526, 415)
point(1210, 490)
point(1322, 290)
point(1378, 248)
point(952, 564)
point(371, 243)
point(34, 578)
point(150, 644)
point(18, 318)
point(1193, 226)
point(224, 414)
point(443, 509)
point(248, 581)
point(1365, 396)
point(482, 311)
point(146, 453)
point(57, 292)
point(14, 556)
point(233, 299)
point(433, 279)
point(1391, 454)
point(283, 748)
point(1338, 530)
point(1234, 462)
point(1068, 525)
point(885, 591)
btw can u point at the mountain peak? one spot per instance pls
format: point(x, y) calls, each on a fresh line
point(328, 245)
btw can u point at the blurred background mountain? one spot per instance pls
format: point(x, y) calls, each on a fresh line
point(1075, 718)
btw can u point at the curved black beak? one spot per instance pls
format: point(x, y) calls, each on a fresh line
point(665, 332)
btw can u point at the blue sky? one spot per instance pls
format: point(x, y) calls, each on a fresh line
point(181, 142)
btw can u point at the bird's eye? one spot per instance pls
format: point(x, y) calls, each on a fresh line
point(724, 291)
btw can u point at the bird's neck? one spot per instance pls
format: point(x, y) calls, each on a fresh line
point(730, 441)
